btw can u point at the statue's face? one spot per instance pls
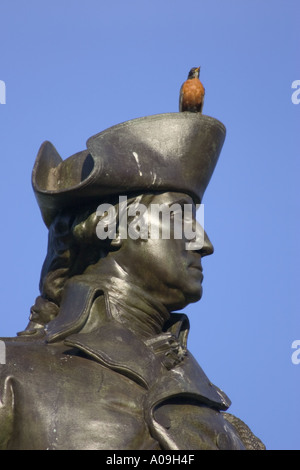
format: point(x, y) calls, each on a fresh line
point(167, 268)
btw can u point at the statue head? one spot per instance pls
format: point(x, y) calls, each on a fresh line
point(154, 162)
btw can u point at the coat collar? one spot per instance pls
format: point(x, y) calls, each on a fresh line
point(159, 363)
point(119, 349)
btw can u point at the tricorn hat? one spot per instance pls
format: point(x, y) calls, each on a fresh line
point(164, 152)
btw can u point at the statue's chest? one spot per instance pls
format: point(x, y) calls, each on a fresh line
point(80, 404)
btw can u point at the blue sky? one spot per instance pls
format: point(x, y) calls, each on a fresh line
point(74, 68)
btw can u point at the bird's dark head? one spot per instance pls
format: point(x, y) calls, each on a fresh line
point(194, 72)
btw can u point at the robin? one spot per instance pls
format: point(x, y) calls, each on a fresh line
point(192, 93)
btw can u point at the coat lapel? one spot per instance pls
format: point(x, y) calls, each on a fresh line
point(116, 347)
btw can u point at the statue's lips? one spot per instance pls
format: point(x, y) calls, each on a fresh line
point(198, 267)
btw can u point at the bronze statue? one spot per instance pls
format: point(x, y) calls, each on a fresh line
point(103, 362)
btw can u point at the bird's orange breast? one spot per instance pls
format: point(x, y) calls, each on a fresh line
point(192, 92)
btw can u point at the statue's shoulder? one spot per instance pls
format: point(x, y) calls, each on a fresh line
point(21, 354)
point(9, 346)
point(14, 345)
point(21, 357)
point(6, 391)
point(20, 340)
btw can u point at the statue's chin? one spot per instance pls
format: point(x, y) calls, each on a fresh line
point(187, 298)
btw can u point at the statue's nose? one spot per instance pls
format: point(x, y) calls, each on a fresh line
point(207, 248)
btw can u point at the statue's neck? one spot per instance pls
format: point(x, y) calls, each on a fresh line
point(128, 303)
point(133, 307)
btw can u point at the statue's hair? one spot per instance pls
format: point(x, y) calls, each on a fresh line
point(73, 245)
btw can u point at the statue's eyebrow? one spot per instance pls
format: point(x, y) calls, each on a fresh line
point(181, 201)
